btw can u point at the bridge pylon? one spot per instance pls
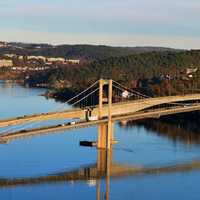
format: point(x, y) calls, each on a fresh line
point(105, 132)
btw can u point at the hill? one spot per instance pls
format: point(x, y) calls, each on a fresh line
point(157, 73)
point(86, 52)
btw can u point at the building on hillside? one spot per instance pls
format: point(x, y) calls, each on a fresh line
point(72, 61)
point(56, 60)
point(10, 55)
point(191, 70)
point(36, 58)
point(6, 63)
point(20, 57)
point(3, 44)
point(125, 94)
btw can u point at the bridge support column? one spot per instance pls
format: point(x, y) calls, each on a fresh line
point(101, 84)
point(110, 127)
point(102, 136)
point(105, 135)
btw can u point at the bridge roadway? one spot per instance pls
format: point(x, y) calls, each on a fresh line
point(123, 108)
point(154, 113)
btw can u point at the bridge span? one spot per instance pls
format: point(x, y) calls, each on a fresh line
point(156, 113)
point(124, 108)
point(105, 114)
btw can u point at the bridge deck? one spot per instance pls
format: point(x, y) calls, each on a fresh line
point(117, 109)
point(131, 116)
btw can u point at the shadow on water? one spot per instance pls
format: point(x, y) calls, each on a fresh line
point(178, 128)
point(104, 169)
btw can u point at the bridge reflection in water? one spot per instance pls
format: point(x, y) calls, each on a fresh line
point(103, 170)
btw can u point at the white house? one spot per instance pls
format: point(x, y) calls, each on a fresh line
point(125, 94)
point(6, 63)
point(72, 61)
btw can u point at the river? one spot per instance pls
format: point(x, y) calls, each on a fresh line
point(146, 163)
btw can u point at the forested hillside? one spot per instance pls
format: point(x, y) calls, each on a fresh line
point(87, 52)
point(146, 70)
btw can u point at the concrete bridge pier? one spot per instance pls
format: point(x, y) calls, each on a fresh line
point(106, 131)
point(105, 136)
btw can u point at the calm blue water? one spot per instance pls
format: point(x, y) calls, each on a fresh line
point(56, 153)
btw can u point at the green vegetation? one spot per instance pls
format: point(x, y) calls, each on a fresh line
point(83, 52)
point(153, 73)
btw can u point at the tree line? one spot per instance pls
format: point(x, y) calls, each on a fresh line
point(151, 72)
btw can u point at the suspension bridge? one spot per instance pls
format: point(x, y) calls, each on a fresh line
point(102, 104)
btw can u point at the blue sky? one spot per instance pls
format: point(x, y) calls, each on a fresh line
point(172, 23)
